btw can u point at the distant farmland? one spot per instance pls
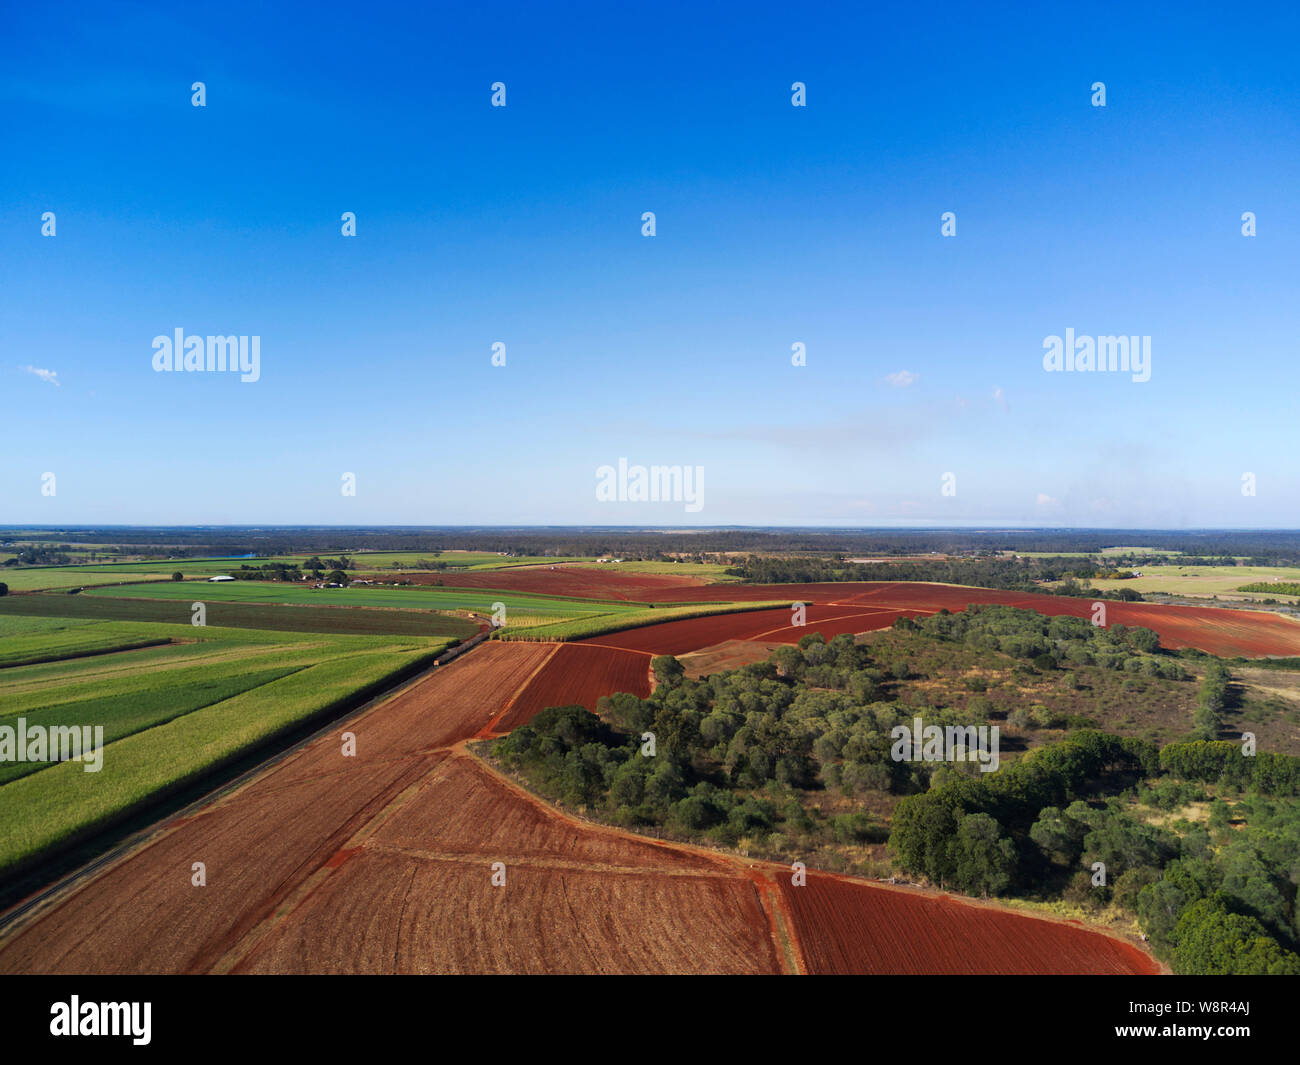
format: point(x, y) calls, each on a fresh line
point(276, 617)
point(519, 607)
point(386, 563)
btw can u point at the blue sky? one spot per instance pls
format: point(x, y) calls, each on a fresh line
point(775, 225)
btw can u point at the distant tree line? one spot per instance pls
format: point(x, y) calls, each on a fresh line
point(1215, 547)
point(1018, 575)
point(1272, 587)
point(39, 556)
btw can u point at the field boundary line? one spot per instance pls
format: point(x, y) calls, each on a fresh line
point(781, 924)
point(246, 946)
point(488, 730)
point(812, 625)
point(611, 647)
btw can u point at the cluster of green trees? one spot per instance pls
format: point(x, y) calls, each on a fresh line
point(317, 564)
point(813, 718)
point(734, 753)
point(1216, 694)
point(569, 754)
point(1213, 900)
point(1227, 902)
point(1279, 587)
point(993, 855)
point(39, 556)
point(271, 571)
point(1072, 587)
point(1050, 642)
point(291, 571)
point(1012, 574)
point(1228, 763)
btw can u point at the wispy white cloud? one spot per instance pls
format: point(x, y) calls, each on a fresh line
point(1044, 500)
point(901, 378)
point(45, 375)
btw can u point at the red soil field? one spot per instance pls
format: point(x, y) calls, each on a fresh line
point(578, 581)
point(1251, 633)
point(831, 592)
point(692, 634)
point(578, 675)
point(385, 912)
point(416, 896)
point(464, 809)
point(845, 926)
point(141, 914)
point(729, 654)
point(382, 863)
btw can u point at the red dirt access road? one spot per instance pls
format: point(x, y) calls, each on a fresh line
point(382, 863)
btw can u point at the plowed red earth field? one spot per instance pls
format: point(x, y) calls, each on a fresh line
point(692, 634)
point(571, 580)
point(1251, 633)
point(383, 863)
point(845, 926)
point(578, 675)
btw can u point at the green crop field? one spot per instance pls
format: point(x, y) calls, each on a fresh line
point(171, 713)
point(274, 616)
point(478, 600)
point(39, 578)
point(54, 642)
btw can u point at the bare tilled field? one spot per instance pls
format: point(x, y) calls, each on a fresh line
point(693, 634)
point(864, 606)
point(846, 926)
point(569, 580)
point(417, 896)
point(578, 675)
point(385, 862)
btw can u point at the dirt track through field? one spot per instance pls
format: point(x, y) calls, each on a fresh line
point(383, 862)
